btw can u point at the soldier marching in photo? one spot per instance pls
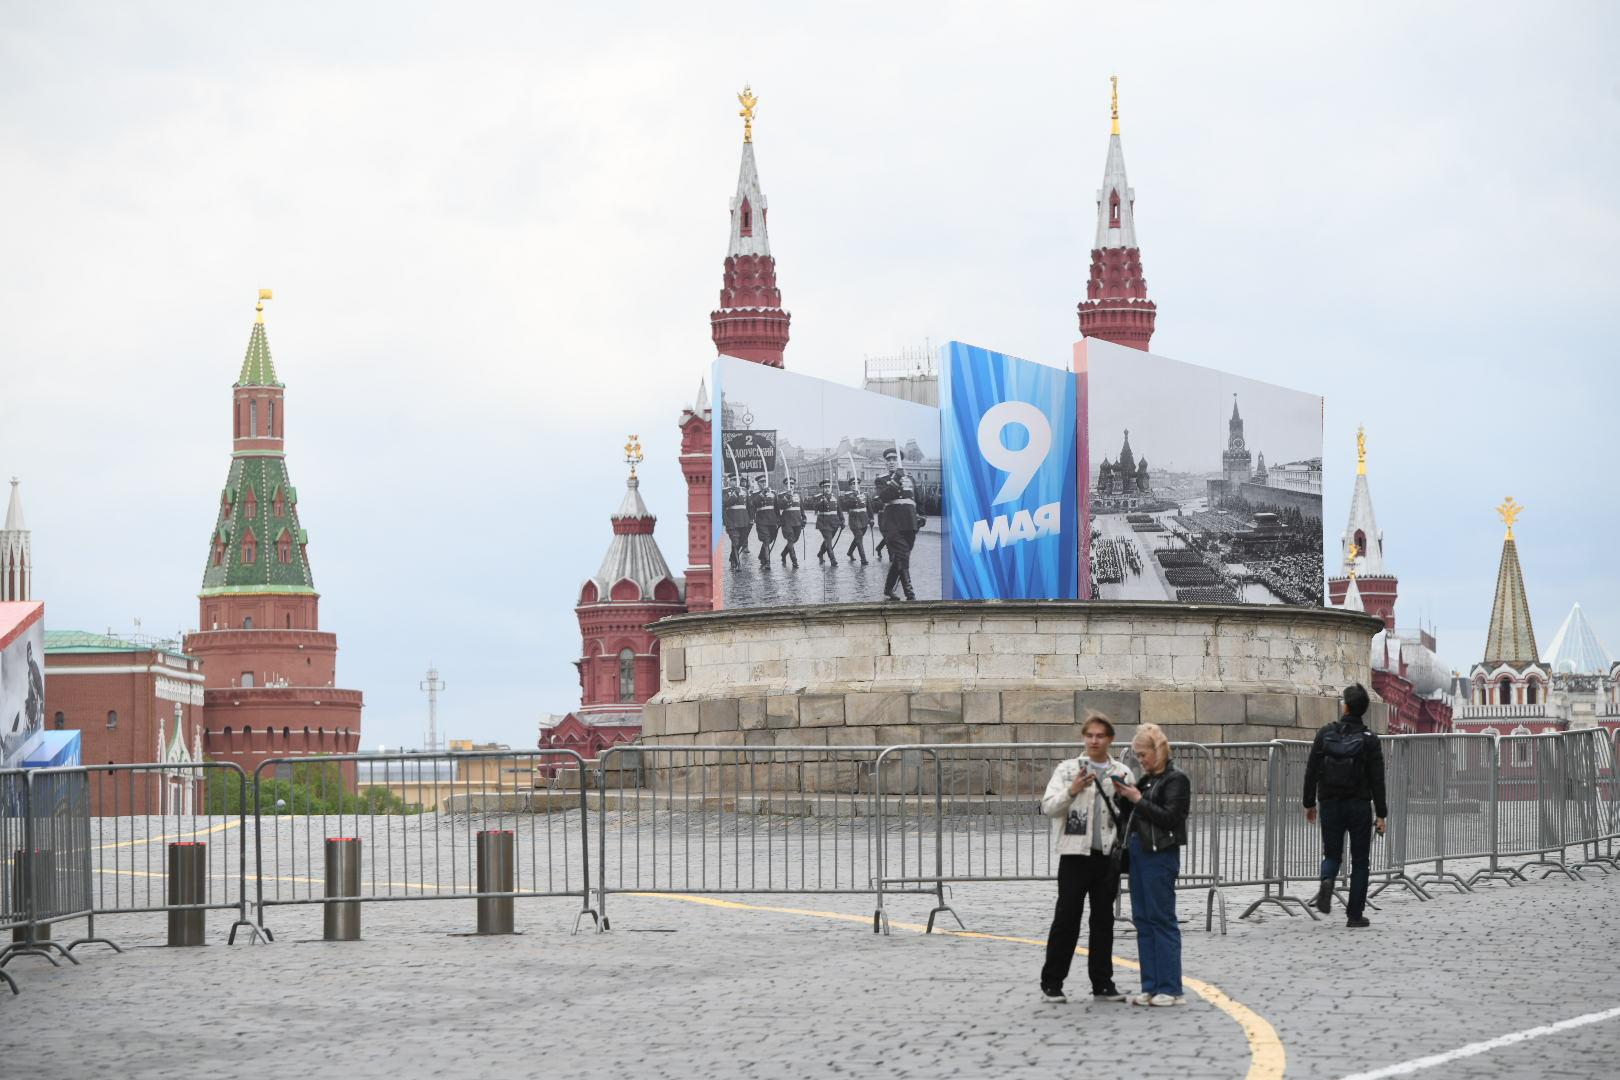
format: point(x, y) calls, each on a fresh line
point(790, 515)
point(899, 522)
point(762, 507)
point(853, 503)
point(829, 522)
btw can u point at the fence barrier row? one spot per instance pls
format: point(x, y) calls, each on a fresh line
point(94, 841)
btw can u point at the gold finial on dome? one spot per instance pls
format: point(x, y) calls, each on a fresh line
point(1361, 451)
point(1509, 512)
point(258, 309)
point(1114, 105)
point(749, 102)
point(632, 453)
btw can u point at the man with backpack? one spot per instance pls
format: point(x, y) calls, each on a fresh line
point(1346, 768)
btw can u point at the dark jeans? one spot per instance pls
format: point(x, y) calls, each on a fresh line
point(1153, 910)
point(1353, 816)
point(1080, 877)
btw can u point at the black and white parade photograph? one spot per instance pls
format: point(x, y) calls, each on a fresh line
point(1203, 487)
point(823, 493)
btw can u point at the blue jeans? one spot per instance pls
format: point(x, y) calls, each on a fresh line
point(1153, 911)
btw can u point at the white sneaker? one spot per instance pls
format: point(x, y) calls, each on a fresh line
point(1139, 999)
point(1166, 1000)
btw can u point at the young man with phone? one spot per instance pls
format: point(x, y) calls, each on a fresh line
point(1346, 768)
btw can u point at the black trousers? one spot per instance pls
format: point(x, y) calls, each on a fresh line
point(1353, 816)
point(900, 542)
point(827, 538)
point(1082, 877)
point(739, 543)
point(767, 540)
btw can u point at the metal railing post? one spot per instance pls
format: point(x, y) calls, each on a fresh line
point(342, 917)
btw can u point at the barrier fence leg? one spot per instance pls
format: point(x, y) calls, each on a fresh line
point(9, 981)
point(939, 851)
point(342, 922)
point(32, 870)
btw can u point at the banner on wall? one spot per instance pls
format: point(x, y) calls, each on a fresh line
point(1011, 476)
point(1201, 486)
point(22, 679)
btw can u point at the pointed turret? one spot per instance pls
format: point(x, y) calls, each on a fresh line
point(1352, 598)
point(1511, 639)
point(270, 672)
point(1362, 550)
point(750, 322)
point(1116, 307)
point(16, 552)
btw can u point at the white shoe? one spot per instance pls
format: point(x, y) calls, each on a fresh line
point(1138, 999)
point(1166, 1000)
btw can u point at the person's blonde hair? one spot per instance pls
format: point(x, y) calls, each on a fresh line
point(1153, 735)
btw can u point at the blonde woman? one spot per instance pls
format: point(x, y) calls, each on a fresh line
point(1082, 802)
point(1158, 829)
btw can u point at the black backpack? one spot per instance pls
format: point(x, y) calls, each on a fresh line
point(1342, 746)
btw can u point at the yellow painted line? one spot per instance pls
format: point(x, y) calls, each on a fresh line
point(1267, 1058)
point(165, 839)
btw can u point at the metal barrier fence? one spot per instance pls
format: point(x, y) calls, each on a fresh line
point(138, 811)
point(735, 819)
point(419, 845)
point(987, 823)
point(50, 868)
point(13, 891)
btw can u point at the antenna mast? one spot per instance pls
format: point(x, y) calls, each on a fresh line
point(433, 685)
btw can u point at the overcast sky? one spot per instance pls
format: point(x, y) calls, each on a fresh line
point(495, 234)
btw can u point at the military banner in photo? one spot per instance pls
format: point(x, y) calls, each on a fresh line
point(1230, 509)
point(1011, 476)
point(822, 493)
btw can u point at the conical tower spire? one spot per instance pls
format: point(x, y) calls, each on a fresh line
point(1511, 639)
point(16, 552)
point(1576, 649)
point(750, 322)
point(1116, 307)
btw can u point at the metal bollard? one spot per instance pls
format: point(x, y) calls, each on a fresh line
point(342, 879)
point(188, 884)
point(43, 864)
point(496, 872)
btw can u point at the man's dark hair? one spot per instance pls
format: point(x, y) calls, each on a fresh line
point(1355, 700)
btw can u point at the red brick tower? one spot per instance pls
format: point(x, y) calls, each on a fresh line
point(750, 324)
point(1116, 307)
point(270, 673)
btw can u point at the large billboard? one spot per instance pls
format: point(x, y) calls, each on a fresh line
point(1201, 486)
point(22, 678)
point(822, 493)
point(1010, 477)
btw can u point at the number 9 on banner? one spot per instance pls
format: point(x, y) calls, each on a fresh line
point(1020, 465)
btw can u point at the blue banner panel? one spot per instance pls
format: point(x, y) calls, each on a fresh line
point(1011, 477)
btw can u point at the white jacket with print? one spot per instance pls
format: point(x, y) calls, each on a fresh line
point(1073, 819)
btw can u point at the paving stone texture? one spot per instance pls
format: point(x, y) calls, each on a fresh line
point(686, 989)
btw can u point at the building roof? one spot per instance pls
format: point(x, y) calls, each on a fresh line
point(753, 240)
point(1114, 180)
point(633, 554)
point(60, 642)
point(1575, 649)
point(14, 514)
point(257, 368)
point(1511, 639)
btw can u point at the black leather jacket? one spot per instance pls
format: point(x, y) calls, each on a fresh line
point(1160, 817)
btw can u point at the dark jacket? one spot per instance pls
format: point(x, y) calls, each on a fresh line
point(1372, 765)
point(1160, 816)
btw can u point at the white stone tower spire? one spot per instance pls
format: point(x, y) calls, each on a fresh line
point(1362, 531)
point(16, 552)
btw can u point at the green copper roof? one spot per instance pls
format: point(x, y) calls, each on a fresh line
point(248, 508)
point(58, 642)
point(257, 368)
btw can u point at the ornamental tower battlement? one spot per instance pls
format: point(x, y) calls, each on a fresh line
point(1116, 307)
point(270, 673)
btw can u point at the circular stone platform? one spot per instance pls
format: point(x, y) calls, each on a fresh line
point(1002, 671)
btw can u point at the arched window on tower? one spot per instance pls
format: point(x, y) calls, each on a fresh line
point(112, 719)
point(746, 226)
point(1530, 692)
point(627, 675)
point(253, 419)
point(1361, 542)
point(250, 550)
point(270, 428)
point(61, 719)
point(1113, 209)
point(1504, 691)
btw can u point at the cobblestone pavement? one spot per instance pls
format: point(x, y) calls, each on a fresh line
point(689, 987)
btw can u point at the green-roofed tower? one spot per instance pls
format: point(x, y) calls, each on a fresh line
point(269, 669)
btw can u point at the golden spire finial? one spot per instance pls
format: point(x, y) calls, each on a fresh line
point(1509, 512)
point(264, 294)
point(632, 454)
point(1114, 105)
point(1361, 451)
point(748, 102)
